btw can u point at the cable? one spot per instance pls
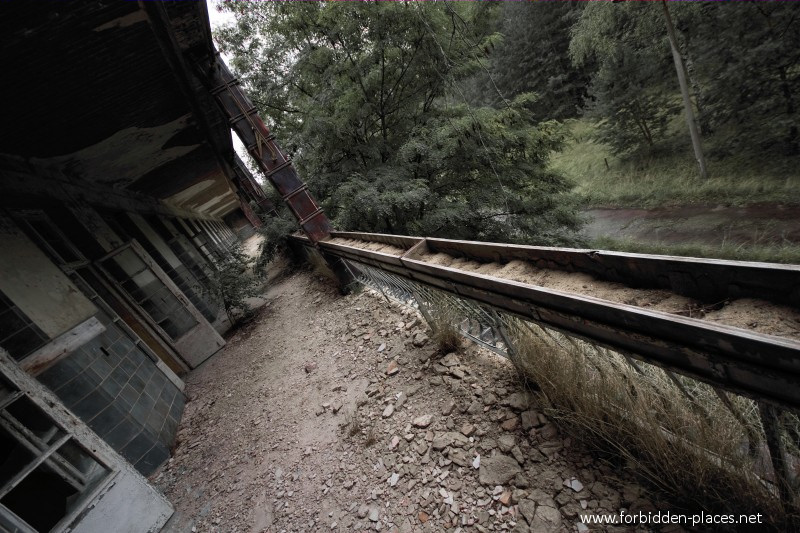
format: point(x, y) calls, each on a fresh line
point(469, 108)
point(464, 38)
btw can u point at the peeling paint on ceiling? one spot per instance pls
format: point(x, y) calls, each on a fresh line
point(125, 156)
point(190, 192)
point(124, 21)
point(210, 203)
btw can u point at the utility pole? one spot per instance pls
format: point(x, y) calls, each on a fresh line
point(687, 102)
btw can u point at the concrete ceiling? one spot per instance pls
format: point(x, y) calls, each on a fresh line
point(93, 89)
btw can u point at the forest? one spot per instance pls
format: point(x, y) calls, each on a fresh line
point(508, 121)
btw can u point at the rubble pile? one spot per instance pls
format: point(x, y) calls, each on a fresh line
point(339, 414)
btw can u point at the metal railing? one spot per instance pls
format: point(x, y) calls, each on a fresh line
point(494, 317)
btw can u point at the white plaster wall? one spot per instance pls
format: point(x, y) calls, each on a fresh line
point(37, 286)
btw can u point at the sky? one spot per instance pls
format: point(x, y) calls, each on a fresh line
point(217, 20)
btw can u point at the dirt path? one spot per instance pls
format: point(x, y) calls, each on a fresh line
point(336, 413)
point(712, 225)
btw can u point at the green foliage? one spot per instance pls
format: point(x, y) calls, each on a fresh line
point(533, 58)
point(420, 118)
point(369, 96)
point(274, 232)
point(634, 87)
point(234, 281)
point(745, 58)
point(669, 178)
point(786, 253)
point(743, 62)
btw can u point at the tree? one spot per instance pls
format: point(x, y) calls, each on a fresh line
point(746, 57)
point(680, 69)
point(634, 83)
point(234, 282)
point(370, 97)
point(534, 57)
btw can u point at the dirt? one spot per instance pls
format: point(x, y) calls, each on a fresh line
point(760, 316)
point(751, 314)
point(712, 225)
point(252, 245)
point(575, 282)
point(309, 420)
point(755, 315)
point(371, 246)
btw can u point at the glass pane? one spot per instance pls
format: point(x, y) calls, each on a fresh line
point(54, 240)
point(10, 323)
point(6, 389)
point(34, 420)
point(41, 485)
point(78, 457)
point(18, 335)
point(13, 457)
point(146, 289)
point(23, 342)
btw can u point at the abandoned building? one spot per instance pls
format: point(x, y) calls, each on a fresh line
point(120, 193)
point(119, 189)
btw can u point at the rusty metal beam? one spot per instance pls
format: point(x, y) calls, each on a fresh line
point(260, 143)
point(250, 186)
point(762, 367)
point(274, 163)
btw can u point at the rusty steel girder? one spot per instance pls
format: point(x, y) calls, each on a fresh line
point(251, 189)
point(274, 163)
point(260, 143)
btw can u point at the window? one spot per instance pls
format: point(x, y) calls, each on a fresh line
point(18, 335)
point(145, 288)
point(45, 474)
point(56, 244)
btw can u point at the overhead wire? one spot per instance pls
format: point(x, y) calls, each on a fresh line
point(447, 82)
point(474, 44)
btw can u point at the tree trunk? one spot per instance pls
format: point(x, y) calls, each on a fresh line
point(687, 102)
point(791, 138)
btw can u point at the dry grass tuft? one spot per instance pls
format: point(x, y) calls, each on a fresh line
point(319, 266)
point(352, 424)
point(447, 339)
point(702, 447)
point(371, 437)
point(445, 334)
point(675, 432)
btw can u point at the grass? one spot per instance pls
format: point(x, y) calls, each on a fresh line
point(445, 334)
point(698, 447)
point(371, 437)
point(786, 253)
point(354, 427)
point(352, 424)
point(319, 265)
point(674, 432)
point(671, 177)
